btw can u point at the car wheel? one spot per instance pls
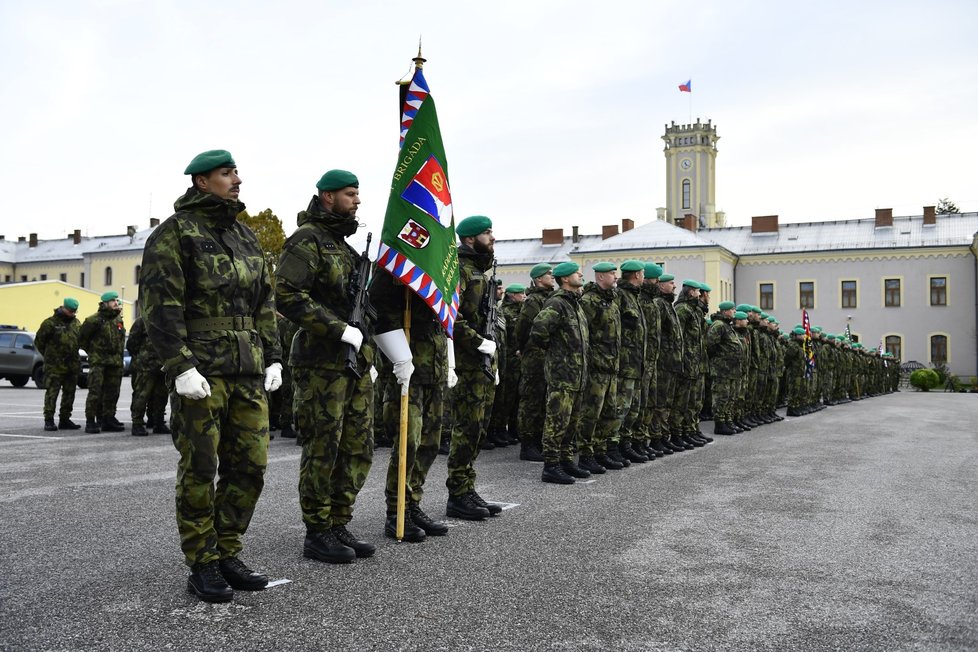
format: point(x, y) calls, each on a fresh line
point(19, 381)
point(39, 376)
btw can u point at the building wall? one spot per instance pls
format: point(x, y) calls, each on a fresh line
point(26, 305)
point(123, 266)
point(915, 320)
point(52, 270)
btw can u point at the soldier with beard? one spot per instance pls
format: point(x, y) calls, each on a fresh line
point(315, 274)
point(207, 299)
point(103, 336)
point(57, 341)
point(560, 330)
point(476, 380)
point(533, 385)
point(686, 410)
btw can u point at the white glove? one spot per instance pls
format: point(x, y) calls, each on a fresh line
point(497, 376)
point(394, 345)
point(190, 384)
point(373, 374)
point(353, 337)
point(273, 376)
point(452, 379)
point(487, 347)
point(402, 372)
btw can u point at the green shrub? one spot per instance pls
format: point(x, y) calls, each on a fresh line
point(925, 379)
point(942, 373)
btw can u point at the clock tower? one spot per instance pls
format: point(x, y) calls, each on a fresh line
point(691, 153)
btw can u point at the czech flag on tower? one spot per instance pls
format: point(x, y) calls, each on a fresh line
point(687, 87)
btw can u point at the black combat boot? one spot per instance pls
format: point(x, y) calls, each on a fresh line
point(608, 462)
point(574, 470)
point(445, 446)
point(695, 443)
point(702, 435)
point(616, 455)
point(659, 446)
point(139, 430)
point(160, 428)
point(500, 438)
point(553, 472)
point(207, 583)
point(465, 508)
point(111, 424)
point(412, 533)
point(361, 548)
point(630, 454)
point(530, 453)
point(487, 444)
point(324, 546)
point(92, 427)
point(430, 526)
point(494, 509)
point(288, 432)
point(723, 428)
point(241, 577)
point(793, 412)
point(67, 424)
point(677, 440)
point(591, 465)
point(49, 425)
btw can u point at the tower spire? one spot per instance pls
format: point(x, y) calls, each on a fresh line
point(419, 60)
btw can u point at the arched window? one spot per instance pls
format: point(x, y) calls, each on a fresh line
point(136, 279)
point(686, 193)
point(108, 277)
point(938, 349)
point(894, 346)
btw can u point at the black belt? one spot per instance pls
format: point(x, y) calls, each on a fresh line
point(237, 323)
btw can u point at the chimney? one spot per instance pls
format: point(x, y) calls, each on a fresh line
point(884, 217)
point(930, 215)
point(33, 242)
point(76, 236)
point(553, 236)
point(627, 225)
point(609, 231)
point(764, 224)
point(21, 238)
point(131, 230)
point(154, 221)
point(575, 235)
point(689, 222)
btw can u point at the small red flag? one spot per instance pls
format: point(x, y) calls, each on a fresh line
point(687, 87)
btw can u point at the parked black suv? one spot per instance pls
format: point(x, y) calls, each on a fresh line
point(19, 360)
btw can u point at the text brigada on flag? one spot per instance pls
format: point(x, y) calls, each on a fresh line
point(417, 243)
point(687, 87)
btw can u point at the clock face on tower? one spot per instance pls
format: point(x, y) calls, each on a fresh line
point(686, 163)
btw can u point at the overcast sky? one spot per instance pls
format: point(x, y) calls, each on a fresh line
point(551, 112)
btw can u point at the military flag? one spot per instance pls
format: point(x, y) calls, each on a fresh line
point(418, 239)
point(807, 346)
point(848, 334)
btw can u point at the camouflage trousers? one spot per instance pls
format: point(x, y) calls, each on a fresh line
point(224, 435)
point(505, 401)
point(386, 403)
point(631, 399)
point(827, 384)
point(690, 414)
point(599, 416)
point(470, 401)
point(760, 391)
point(679, 406)
point(335, 414)
point(797, 391)
point(561, 425)
point(771, 394)
point(532, 408)
point(104, 384)
point(148, 397)
point(667, 395)
point(725, 395)
point(65, 383)
point(286, 413)
point(651, 426)
point(425, 406)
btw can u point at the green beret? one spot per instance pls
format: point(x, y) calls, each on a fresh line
point(692, 284)
point(840, 337)
point(566, 269)
point(773, 320)
point(210, 160)
point(540, 269)
point(473, 226)
point(604, 267)
point(798, 326)
point(632, 266)
point(798, 330)
point(665, 278)
point(109, 296)
point(70, 303)
point(515, 288)
point(755, 309)
point(336, 179)
point(653, 270)
point(816, 329)
point(763, 315)
point(727, 305)
point(740, 315)
point(744, 307)
point(705, 287)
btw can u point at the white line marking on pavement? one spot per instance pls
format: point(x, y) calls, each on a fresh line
point(505, 506)
point(3, 434)
point(278, 583)
point(585, 481)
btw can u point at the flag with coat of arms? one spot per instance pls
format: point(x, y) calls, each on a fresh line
point(417, 243)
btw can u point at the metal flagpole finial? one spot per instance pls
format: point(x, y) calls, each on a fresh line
point(419, 60)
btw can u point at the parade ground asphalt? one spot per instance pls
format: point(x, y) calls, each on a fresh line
point(850, 529)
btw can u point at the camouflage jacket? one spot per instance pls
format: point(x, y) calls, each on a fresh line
point(57, 341)
point(473, 289)
point(755, 348)
point(531, 360)
point(603, 315)
point(693, 324)
point(286, 333)
point(501, 338)
point(313, 288)
point(794, 358)
point(560, 330)
point(103, 336)
point(144, 356)
point(429, 345)
point(634, 337)
point(725, 349)
point(671, 358)
point(653, 324)
point(745, 336)
point(510, 312)
point(202, 264)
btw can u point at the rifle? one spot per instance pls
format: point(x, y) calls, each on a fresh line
point(489, 329)
point(362, 310)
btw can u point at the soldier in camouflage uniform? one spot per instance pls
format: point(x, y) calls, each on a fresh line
point(507, 393)
point(206, 296)
point(650, 433)
point(752, 371)
point(496, 435)
point(686, 410)
point(427, 352)
point(57, 341)
point(315, 283)
point(286, 415)
point(740, 405)
point(794, 362)
point(148, 383)
point(631, 368)
point(532, 405)
point(103, 336)
point(560, 330)
point(726, 351)
point(600, 418)
point(475, 366)
point(670, 369)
